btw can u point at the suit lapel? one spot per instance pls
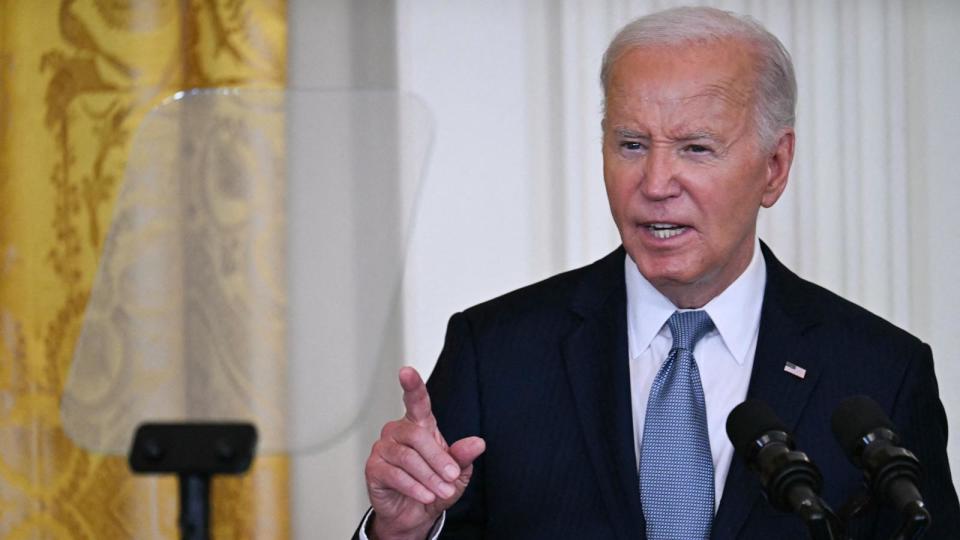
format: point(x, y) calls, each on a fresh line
point(595, 355)
point(785, 320)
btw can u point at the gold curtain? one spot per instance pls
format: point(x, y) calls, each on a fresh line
point(76, 78)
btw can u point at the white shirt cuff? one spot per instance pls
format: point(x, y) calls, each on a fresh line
point(434, 532)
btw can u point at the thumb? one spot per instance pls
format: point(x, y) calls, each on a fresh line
point(465, 451)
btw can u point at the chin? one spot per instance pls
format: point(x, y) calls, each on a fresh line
point(666, 270)
point(672, 280)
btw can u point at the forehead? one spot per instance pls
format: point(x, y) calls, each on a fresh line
point(696, 78)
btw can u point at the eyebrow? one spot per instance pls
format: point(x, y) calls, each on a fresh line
point(691, 136)
point(629, 133)
point(699, 134)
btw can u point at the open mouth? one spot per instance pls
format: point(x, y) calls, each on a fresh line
point(665, 230)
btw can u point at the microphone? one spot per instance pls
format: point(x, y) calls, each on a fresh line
point(891, 472)
point(791, 482)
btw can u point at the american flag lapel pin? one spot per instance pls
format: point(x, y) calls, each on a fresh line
point(795, 370)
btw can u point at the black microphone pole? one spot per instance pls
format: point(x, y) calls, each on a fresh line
point(791, 482)
point(891, 472)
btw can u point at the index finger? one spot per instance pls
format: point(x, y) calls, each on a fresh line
point(415, 398)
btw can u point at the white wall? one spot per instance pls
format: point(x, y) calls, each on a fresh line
point(491, 198)
point(336, 45)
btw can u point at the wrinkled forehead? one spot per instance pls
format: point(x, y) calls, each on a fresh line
point(717, 74)
point(717, 98)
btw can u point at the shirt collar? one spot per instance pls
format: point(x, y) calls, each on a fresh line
point(735, 312)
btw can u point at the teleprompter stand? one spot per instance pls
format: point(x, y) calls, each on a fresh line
point(230, 286)
point(194, 452)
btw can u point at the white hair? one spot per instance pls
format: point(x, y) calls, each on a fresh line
point(776, 85)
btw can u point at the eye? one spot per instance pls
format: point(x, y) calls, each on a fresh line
point(632, 146)
point(698, 149)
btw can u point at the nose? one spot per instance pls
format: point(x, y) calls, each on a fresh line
point(659, 181)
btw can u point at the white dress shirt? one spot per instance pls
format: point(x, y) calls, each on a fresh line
point(724, 355)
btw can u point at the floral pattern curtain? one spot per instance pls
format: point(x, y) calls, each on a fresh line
point(76, 78)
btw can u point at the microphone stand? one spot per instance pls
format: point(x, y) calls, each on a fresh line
point(916, 517)
point(821, 522)
point(914, 525)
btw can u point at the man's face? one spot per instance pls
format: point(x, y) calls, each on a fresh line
point(684, 169)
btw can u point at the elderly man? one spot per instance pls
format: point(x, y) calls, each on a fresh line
point(592, 404)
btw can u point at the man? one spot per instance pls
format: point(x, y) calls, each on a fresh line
point(592, 405)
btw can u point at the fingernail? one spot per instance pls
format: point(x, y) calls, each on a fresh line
point(446, 490)
point(451, 472)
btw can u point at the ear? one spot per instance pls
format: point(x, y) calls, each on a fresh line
point(778, 168)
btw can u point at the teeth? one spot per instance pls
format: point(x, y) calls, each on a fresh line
point(665, 230)
point(667, 233)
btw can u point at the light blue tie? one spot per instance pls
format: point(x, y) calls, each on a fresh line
point(676, 467)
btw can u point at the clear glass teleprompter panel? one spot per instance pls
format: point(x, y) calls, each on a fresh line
point(252, 266)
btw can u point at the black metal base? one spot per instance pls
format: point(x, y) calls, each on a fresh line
point(194, 452)
point(194, 506)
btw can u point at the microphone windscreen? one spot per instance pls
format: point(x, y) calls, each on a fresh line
point(854, 418)
point(748, 422)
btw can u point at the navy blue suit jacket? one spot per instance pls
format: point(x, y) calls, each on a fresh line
point(542, 375)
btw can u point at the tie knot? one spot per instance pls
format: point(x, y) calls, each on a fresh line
point(688, 327)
